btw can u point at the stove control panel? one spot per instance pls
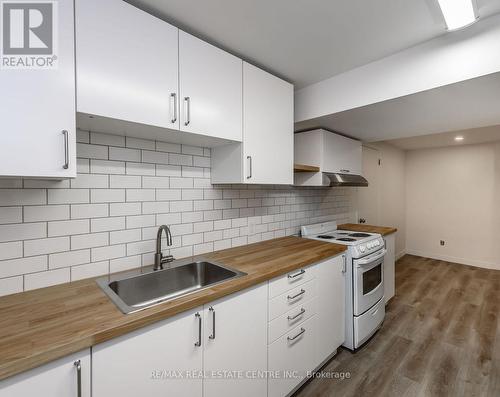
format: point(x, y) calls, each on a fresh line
point(368, 247)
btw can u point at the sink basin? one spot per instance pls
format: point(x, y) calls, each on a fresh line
point(141, 291)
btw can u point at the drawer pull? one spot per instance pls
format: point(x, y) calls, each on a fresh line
point(290, 297)
point(302, 311)
point(297, 274)
point(290, 338)
point(198, 344)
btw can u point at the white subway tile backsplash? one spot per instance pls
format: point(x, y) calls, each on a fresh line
point(109, 252)
point(11, 250)
point(70, 258)
point(47, 278)
point(107, 167)
point(22, 197)
point(91, 151)
point(66, 228)
point(11, 285)
point(46, 213)
point(107, 218)
point(22, 231)
point(107, 195)
point(107, 224)
point(11, 215)
point(116, 153)
point(89, 240)
point(140, 169)
point(20, 266)
point(89, 270)
point(81, 211)
point(46, 246)
point(68, 196)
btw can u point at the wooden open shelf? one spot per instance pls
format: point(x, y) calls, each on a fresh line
point(305, 168)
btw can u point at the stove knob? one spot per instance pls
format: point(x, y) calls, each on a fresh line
point(362, 248)
point(369, 245)
point(377, 243)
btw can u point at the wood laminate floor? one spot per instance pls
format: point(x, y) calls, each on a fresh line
point(440, 337)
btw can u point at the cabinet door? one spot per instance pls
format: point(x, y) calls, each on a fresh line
point(331, 307)
point(236, 341)
point(58, 378)
point(37, 105)
point(389, 267)
point(267, 127)
point(211, 89)
point(341, 154)
point(151, 361)
point(127, 63)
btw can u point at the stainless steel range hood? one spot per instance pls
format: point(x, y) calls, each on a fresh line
point(346, 179)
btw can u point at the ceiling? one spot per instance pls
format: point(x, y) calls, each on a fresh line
point(469, 104)
point(471, 136)
point(306, 41)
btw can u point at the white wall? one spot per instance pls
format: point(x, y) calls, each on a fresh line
point(106, 219)
point(453, 194)
point(383, 202)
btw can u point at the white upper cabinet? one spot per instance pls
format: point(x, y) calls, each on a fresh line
point(267, 127)
point(210, 89)
point(235, 339)
point(266, 154)
point(341, 154)
point(37, 105)
point(127, 64)
point(66, 377)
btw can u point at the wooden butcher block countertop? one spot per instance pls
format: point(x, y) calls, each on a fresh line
point(42, 325)
point(355, 227)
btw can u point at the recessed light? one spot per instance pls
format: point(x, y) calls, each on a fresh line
point(459, 138)
point(458, 13)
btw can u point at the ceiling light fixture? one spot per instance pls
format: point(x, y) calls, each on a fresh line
point(459, 138)
point(458, 13)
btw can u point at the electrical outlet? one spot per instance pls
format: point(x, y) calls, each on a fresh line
point(442, 242)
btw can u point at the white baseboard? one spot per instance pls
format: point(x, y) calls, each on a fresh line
point(400, 254)
point(453, 259)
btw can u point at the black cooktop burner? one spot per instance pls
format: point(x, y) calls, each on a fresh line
point(359, 235)
point(325, 236)
point(346, 239)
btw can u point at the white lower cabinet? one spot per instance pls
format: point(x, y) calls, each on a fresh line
point(235, 345)
point(171, 357)
point(389, 267)
point(66, 377)
point(290, 357)
point(152, 361)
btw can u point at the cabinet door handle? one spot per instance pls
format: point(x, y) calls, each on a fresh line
point(213, 323)
point(297, 274)
point(290, 297)
point(344, 264)
point(302, 311)
point(198, 344)
point(66, 149)
point(302, 330)
point(346, 171)
point(249, 158)
point(78, 366)
point(173, 97)
point(187, 101)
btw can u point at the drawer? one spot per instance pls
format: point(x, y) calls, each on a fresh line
point(291, 354)
point(290, 280)
point(291, 319)
point(366, 324)
point(292, 299)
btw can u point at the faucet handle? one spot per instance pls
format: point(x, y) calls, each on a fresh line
point(167, 259)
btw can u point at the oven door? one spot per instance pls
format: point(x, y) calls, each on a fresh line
point(368, 280)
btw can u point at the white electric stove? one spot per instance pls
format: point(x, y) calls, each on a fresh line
point(364, 292)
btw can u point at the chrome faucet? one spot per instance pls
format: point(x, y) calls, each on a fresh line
point(159, 258)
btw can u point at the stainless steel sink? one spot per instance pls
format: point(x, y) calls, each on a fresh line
point(138, 292)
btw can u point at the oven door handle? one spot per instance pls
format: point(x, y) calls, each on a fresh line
point(368, 260)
